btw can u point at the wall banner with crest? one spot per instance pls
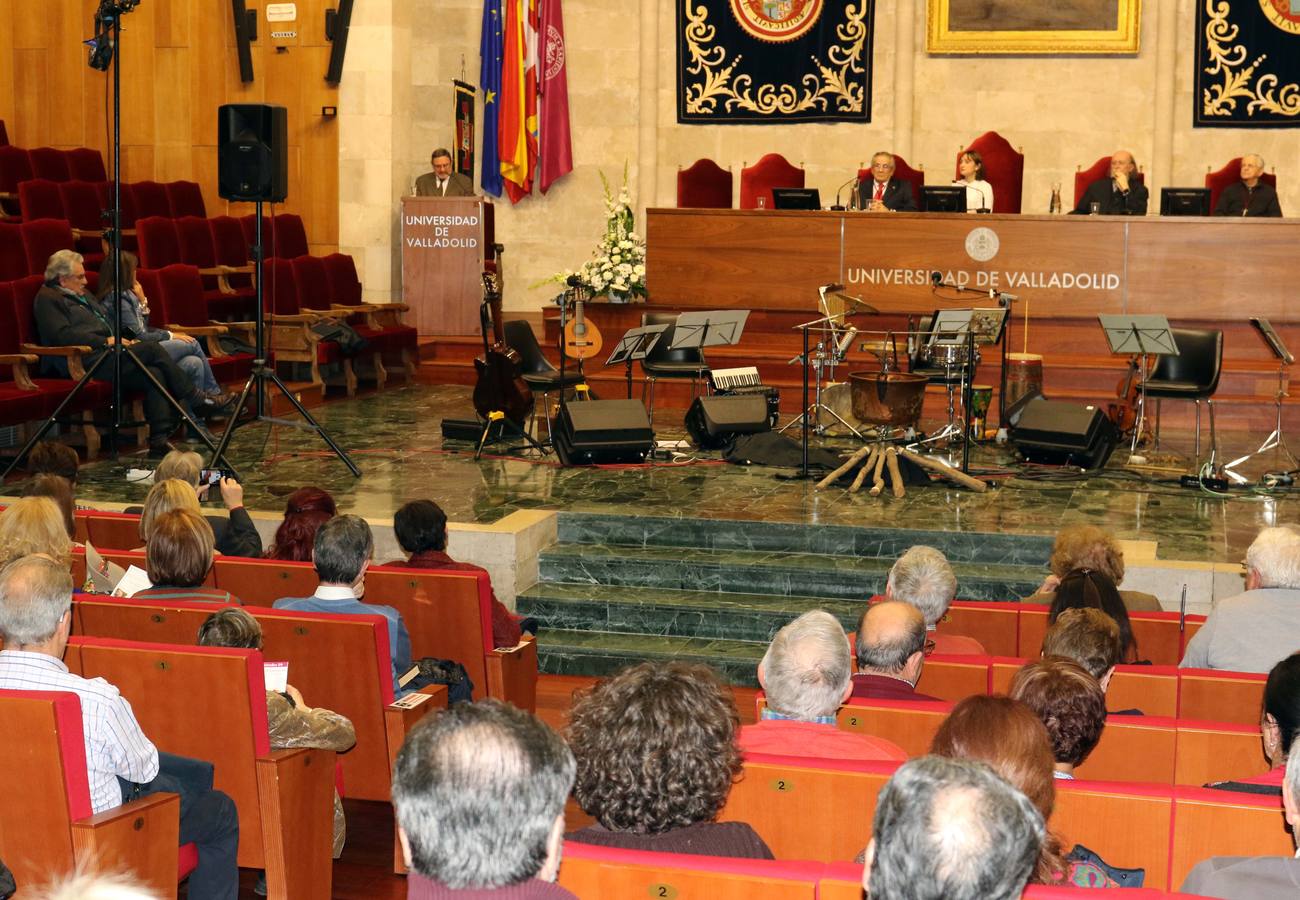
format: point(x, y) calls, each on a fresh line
point(779, 61)
point(1247, 64)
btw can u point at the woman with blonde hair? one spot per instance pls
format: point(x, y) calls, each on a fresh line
point(178, 557)
point(165, 496)
point(34, 525)
point(1090, 547)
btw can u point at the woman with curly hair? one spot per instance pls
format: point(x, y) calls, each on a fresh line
point(307, 509)
point(656, 751)
point(1069, 702)
point(1010, 738)
point(1090, 547)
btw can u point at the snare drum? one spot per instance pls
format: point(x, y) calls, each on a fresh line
point(1024, 375)
point(946, 356)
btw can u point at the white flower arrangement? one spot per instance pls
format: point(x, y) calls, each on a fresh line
point(617, 266)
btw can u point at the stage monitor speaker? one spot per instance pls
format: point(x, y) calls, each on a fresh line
point(1057, 432)
point(713, 422)
point(252, 152)
point(596, 432)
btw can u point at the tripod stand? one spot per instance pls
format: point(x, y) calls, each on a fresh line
point(108, 35)
point(263, 373)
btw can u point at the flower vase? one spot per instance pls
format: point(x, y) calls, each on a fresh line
point(619, 296)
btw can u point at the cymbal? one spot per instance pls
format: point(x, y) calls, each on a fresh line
point(862, 305)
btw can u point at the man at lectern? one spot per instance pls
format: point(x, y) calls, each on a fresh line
point(442, 181)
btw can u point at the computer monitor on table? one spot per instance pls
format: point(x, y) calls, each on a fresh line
point(1188, 201)
point(796, 198)
point(943, 198)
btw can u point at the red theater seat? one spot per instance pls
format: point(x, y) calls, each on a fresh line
point(86, 164)
point(13, 256)
point(84, 212)
point(151, 199)
point(51, 163)
point(158, 242)
point(42, 237)
point(772, 171)
point(180, 305)
point(194, 237)
point(704, 185)
point(38, 198)
point(186, 199)
point(15, 168)
point(290, 236)
point(1004, 168)
point(249, 226)
point(292, 338)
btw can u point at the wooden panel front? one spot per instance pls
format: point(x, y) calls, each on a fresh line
point(442, 263)
point(1132, 750)
point(1126, 830)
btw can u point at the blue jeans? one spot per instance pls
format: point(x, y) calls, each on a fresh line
point(191, 359)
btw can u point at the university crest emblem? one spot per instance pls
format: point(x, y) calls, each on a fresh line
point(1285, 14)
point(776, 21)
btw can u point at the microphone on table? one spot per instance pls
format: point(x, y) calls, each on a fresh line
point(984, 200)
point(574, 281)
point(852, 181)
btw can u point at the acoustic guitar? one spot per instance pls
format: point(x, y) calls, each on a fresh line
point(500, 387)
point(582, 339)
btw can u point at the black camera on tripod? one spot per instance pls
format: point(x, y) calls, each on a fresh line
point(102, 45)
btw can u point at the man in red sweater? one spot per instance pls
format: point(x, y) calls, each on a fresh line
point(479, 792)
point(807, 674)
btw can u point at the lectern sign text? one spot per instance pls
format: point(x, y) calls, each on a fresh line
point(443, 239)
point(433, 231)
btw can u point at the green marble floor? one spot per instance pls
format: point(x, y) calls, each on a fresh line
point(396, 440)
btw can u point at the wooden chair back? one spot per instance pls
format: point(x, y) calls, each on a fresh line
point(992, 624)
point(261, 582)
point(909, 724)
point(589, 871)
point(1129, 825)
point(1152, 689)
point(954, 677)
point(1218, 751)
point(342, 663)
point(112, 531)
point(153, 621)
point(1133, 748)
point(1210, 823)
point(1217, 696)
point(808, 808)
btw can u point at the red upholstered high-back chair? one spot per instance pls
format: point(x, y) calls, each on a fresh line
point(13, 256)
point(704, 185)
point(290, 236)
point(902, 172)
point(1231, 174)
point(151, 199)
point(1099, 169)
point(249, 225)
point(42, 237)
point(186, 199)
point(345, 286)
point(159, 245)
point(86, 164)
point(50, 162)
point(1004, 168)
point(38, 198)
point(83, 211)
point(772, 171)
point(4, 135)
point(15, 168)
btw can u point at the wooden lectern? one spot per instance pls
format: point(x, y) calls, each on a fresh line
point(445, 241)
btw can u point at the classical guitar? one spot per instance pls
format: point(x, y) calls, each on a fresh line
point(500, 387)
point(582, 338)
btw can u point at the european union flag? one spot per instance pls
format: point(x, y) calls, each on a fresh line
point(490, 78)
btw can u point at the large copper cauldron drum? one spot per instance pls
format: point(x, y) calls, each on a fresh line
point(887, 398)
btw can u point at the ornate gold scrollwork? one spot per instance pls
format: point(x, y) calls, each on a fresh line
point(1240, 82)
point(828, 87)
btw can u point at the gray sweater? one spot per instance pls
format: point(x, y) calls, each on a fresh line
point(1250, 632)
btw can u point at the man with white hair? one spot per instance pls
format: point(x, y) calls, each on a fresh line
point(1248, 877)
point(923, 578)
point(807, 675)
point(951, 828)
point(1251, 196)
point(1252, 632)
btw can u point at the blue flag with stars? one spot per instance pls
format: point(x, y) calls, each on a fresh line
point(490, 49)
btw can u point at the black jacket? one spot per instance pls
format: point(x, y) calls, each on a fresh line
point(235, 536)
point(898, 195)
point(1113, 203)
point(62, 320)
point(1262, 201)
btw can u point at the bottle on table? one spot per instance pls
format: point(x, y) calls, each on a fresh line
point(1055, 206)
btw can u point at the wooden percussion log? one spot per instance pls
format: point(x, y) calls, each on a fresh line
point(877, 478)
point(948, 472)
point(852, 461)
point(895, 475)
point(867, 466)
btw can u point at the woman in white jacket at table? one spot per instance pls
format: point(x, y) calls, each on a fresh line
point(979, 193)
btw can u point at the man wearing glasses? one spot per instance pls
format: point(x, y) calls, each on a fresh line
point(885, 193)
point(891, 648)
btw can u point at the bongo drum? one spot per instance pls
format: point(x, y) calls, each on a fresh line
point(1024, 375)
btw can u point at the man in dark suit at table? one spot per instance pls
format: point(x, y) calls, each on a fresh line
point(885, 193)
point(1250, 196)
point(1121, 194)
point(442, 181)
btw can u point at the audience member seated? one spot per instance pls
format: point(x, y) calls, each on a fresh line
point(1251, 632)
point(479, 793)
point(178, 557)
point(1279, 727)
point(951, 828)
point(1252, 877)
point(656, 751)
point(306, 510)
point(1069, 702)
point(290, 721)
point(807, 674)
point(1090, 547)
point(341, 554)
point(167, 495)
point(1091, 589)
point(235, 533)
point(34, 525)
point(1008, 736)
point(891, 647)
point(58, 489)
point(421, 530)
point(53, 458)
point(121, 763)
point(923, 578)
point(1089, 637)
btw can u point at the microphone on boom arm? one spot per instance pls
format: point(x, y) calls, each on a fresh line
point(839, 190)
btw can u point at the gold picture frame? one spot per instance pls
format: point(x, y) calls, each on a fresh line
point(952, 27)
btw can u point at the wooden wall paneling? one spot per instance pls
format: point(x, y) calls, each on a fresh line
point(31, 107)
point(139, 76)
point(311, 26)
point(203, 169)
point(173, 111)
point(172, 22)
point(137, 161)
point(7, 69)
point(65, 70)
point(96, 111)
point(29, 31)
point(211, 62)
point(320, 154)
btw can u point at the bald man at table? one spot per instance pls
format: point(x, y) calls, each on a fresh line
point(1120, 194)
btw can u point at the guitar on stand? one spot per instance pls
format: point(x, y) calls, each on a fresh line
point(582, 339)
point(502, 398)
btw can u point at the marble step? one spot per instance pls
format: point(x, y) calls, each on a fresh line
point(763, 572)
point(709, 615)
point(730, 534)
point(561, 652)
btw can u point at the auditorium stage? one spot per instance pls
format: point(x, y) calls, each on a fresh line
point(396, 440)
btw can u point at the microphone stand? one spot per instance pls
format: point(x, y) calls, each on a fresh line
point(855, 181)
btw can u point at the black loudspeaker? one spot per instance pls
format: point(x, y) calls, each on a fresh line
point(337, 25)
point(252, 152)
point(595, 432)
point(714, 421)
point(245, 32)
point(1061, 433)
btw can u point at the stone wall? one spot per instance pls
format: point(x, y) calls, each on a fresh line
point(1062, 111)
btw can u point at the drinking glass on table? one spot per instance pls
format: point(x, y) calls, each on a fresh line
point(1094, 208)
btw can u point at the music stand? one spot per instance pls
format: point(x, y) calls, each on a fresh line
point(633, 345)
point(1148, 335)
point(957, 328)
point(714, 328)
point(1275, 440)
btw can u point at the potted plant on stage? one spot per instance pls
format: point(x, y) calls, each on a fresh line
point(617, 267)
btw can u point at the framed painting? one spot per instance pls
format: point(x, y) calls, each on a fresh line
point(1033, 26)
